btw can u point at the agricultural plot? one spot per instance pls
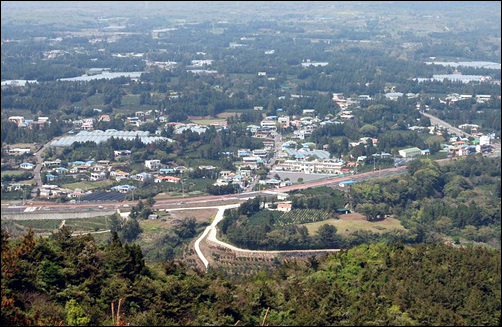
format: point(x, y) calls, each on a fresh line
point(13, 173)
point(103, 196)
point(242, 264)
point(303, 216)
point(76, 225)
point(347, 226)
point(84, 185)
point(297, 216)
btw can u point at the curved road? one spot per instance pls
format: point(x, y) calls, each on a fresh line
point(212, 231)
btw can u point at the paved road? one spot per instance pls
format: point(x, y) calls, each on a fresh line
point(442, 123)
point(210, 228)
point(202, 200)
point(212, 231)
point(38, 168)
point(207, 199)
point(217, 199)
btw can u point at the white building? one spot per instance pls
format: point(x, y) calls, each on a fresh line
point(152, 164)
point(19, 151)
point(98, 176)
point(484, 140)
point(26, 165)
point(410, 153)
point(284, 207)
point(284, 121)
point(315, 166)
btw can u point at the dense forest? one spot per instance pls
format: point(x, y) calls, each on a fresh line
point(64, 280)
point(460, 199)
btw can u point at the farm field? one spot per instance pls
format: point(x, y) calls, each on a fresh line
point(88, 185)
point(199, 215)
point(350, 223)
point(303, 216)
point(207, 121)
point(14, 172)
point(297, 216)
point(47, 226)
point(240, 264)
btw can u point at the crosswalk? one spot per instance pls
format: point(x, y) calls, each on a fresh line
point(30, 209)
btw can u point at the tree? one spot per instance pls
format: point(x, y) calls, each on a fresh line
point(131, 230)
point(369, 130)
point(187, 228)
point(115, 222)
point(150, 201)
point(327, 237)
point(76, 314)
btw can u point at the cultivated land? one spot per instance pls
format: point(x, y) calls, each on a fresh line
point(203, 215)
point(47, 226)
point(349, 223)
point(13, 172)
point(203, 121)
point(84, 185)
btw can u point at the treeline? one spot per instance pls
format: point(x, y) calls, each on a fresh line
point(11, 133)
point(252, 227)
point(72, 281)
point(460, 198)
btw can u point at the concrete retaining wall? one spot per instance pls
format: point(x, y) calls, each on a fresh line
point(55, 215)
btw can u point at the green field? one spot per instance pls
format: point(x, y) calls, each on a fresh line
point(13, 172)
point(77, 225)
point(302, 216)
point(346, 227)
point(130, 100)
point(207, 121)
point(88, 185)
point(96, 99)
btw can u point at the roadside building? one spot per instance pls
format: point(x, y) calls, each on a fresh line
point(410, 152)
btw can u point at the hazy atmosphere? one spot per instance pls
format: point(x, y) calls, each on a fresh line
point(245, 163)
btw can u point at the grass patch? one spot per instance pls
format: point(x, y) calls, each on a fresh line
point(130, 100)
point(88, 185)
point(346, 227)
point(227, 114)
point(77, 225)
point(303, 216)
point(96, 99)
point(24, 146)
point(199, 184)
point(207, 121)
point(14, 172)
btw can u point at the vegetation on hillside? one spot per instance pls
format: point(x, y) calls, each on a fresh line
point(71, 280)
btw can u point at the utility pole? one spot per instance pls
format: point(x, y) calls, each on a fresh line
point(24, 195)
point(182, 188)
point(349, 193)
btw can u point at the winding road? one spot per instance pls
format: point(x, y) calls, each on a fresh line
point(212, 231)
